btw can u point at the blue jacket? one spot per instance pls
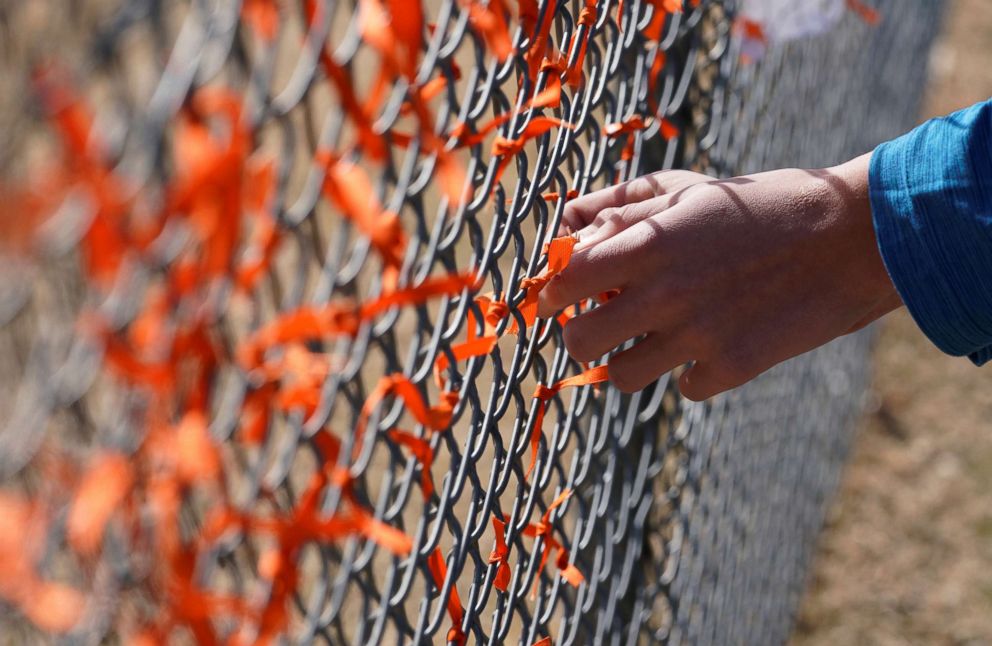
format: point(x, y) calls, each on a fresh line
point(931, 202)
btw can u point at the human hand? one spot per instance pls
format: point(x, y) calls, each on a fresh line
point(732, 275)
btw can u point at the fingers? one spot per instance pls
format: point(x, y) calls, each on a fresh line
point(594, 333)
point(708, 379)
point(580, 212)
point(636, 368)
point(595, 269)
point(613, 220)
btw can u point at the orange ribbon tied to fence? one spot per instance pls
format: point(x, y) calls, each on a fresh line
point(343, 318)
point(554, 196)
point(587, 18)
point(103, 488)
point(349, 187)
point(489, 21)
point(870, 15)
point(543, 394)
point(51, 606)
point(435, 563)
point(559, 252)
point(667, 129)
point(549, 97)
point(422, 451)
point(435, 418)
point(544, 530)
point(657, 65)
point(500, 556)
point(661, 8)
point(474, 344)
point(107, 241)
point(505, 148)
point(262, 16)
point(305, 523)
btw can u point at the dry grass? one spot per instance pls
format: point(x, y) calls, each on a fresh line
point(906, 557)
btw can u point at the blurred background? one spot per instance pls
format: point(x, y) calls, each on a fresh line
point(906, 555)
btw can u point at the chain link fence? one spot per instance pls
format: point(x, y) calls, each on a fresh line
point(271, 366)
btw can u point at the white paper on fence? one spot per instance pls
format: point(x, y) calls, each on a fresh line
point(783, 20)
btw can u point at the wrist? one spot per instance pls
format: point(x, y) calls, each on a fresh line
point(850, 182)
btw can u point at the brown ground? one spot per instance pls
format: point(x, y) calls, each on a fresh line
point(906, 557)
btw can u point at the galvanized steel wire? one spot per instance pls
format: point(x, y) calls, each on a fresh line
point(690, 523)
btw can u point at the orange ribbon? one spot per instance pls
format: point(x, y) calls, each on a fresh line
point(438, 570)
point(543, 394)
point(260, 180)
point(549, 97)
point(539, 38)
point(558, 251)
point(435, 418)
point(342, 318)
point(507, 148)
point(657, 65)
point(106, 243)
point(99, 495)
point(489, 21)
point(500, 556)
point(52, 607)
point(422, 451)
point(587, 18)
point(349, 187)
point(544, 530)
point(262, 16)
point(666, 128)
point(474, 345)
point(553, 196)
point(870, 15)
point(223, 193)
point(661, 10)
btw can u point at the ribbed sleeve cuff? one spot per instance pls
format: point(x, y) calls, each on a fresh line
point(931, 202)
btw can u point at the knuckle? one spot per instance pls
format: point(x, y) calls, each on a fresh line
point(571, 216)
point(628, 213)
point(607, 216)
point(670, 180)
point(642, 184)
point(672, 176)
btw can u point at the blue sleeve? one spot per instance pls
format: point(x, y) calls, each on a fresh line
point(931, 202)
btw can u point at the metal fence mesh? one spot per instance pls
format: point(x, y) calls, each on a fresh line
point(271, 367)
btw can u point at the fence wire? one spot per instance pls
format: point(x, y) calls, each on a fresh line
point(271, 366)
